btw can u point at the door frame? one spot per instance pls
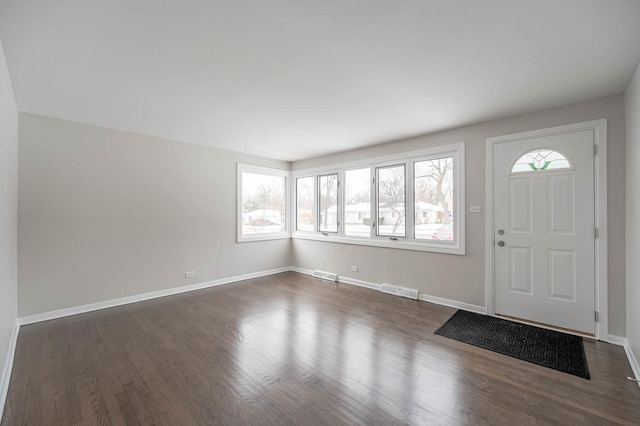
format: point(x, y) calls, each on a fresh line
point(599, 128)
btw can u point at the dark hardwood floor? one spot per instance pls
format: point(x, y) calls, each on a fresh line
point(290, 349)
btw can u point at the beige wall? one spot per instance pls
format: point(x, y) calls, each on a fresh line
point(8, 217)
point(461, 278)
point(105, 214)
point(632, 109)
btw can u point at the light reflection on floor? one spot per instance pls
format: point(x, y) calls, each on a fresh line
point(361, 358)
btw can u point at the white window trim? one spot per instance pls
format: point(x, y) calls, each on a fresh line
point(375, 197)
point(408, 242)
point(316, 218)
point(246, 168)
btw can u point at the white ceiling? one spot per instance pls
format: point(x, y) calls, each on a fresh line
point(294, 79)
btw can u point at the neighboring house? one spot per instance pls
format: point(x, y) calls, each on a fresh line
point(428, 213)
point(353, 213)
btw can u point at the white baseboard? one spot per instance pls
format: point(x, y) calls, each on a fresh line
point(453, 303)
point(616, 340)
point(421, 296)
point(8, 366)
point(302, 270)
point(341, 279)
point(632, 360)
point(46, 316)
point(359, 283)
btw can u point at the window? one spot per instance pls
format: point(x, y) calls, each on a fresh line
point(391, 200)
point(357, 203)
point(328, 204)
point(413, 201)
point(304, 204)
point(539, 160)
point(262, 203)
point(433, 199)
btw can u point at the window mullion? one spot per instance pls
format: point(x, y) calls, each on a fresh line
point(374, 203)
point(377, 203)
point(340, 203)
point(316, 200)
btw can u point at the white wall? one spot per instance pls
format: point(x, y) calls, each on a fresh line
point(632, 109)
point(461, 278)
point(8, 220)
point(105, 214)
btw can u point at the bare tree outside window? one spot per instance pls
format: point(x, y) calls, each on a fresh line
point(263, 203)
point(304, 204)
point(328, 203)
point(391, 201)
point(434, 207)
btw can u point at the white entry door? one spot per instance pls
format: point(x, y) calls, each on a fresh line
point(545, 230)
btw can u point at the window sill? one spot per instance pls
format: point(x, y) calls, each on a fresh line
point(445, 248)
point(267, 237)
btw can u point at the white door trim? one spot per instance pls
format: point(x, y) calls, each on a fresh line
point(599, 128)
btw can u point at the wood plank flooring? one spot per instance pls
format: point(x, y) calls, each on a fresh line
point(290, 349)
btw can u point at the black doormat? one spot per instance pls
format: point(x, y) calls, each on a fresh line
point(560, 351)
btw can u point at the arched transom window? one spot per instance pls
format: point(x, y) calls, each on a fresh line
point(539, 160)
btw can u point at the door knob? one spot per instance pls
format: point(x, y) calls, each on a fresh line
point(501, 243)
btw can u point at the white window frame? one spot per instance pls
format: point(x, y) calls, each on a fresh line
point(376, 197)
point(408, 242)
point(294, 203)
point(317, 199)
point(246, 168)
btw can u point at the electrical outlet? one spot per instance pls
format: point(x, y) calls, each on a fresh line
point(189, 274)
point(354, 269)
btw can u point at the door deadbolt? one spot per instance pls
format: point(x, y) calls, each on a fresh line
point(500, 231)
